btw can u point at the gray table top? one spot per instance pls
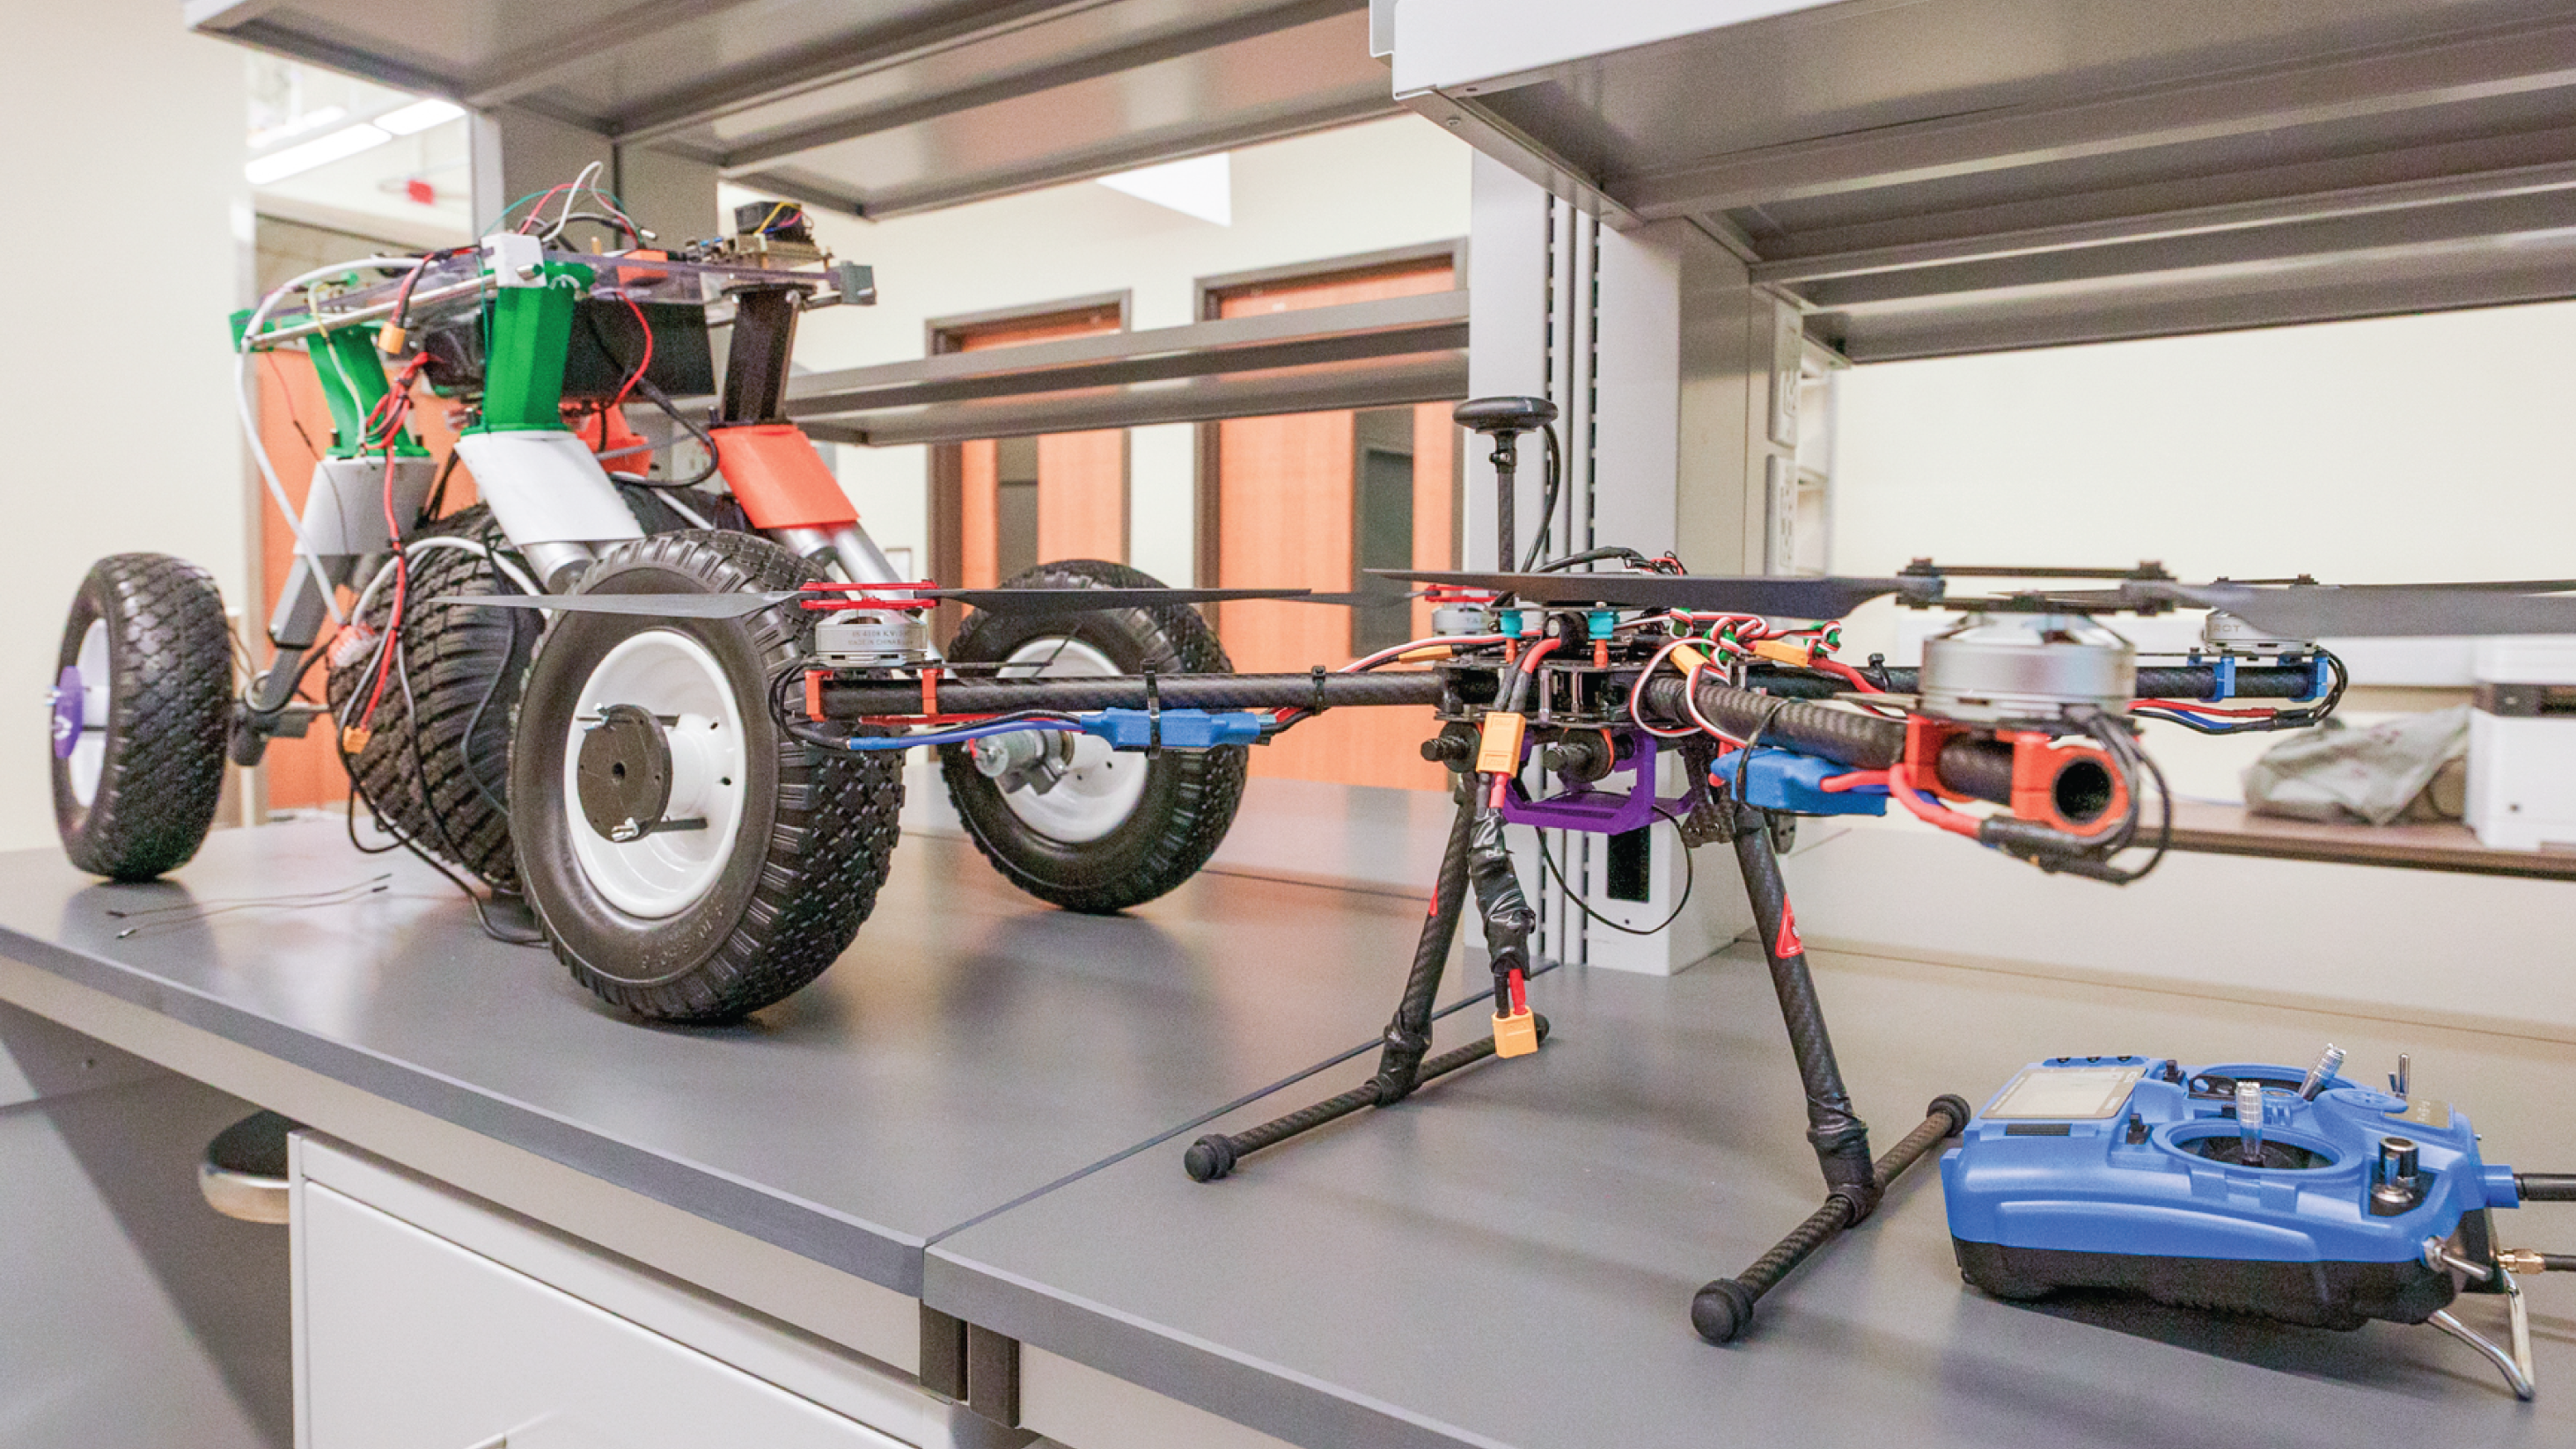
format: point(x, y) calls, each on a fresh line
point(1505, 1260)
point(1509, 1257)
point(972, 1046)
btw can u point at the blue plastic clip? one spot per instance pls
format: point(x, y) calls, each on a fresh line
point(1181, 729)
point(1787, 780)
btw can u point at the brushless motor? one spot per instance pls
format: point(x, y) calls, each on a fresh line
point(2224, 633)
point(1999, 668)
point(864, 638)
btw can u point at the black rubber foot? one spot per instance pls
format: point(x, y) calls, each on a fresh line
point(1722, 1310)
point(510, 911)
point(1209, 1158)
point(1956, 1106)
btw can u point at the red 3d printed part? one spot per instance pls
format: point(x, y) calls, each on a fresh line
point(778, 478)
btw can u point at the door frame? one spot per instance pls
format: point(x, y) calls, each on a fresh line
point(947, 472)
point(1207, 302)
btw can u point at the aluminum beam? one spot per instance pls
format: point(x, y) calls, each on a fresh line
point(892, 106)
point(1359, 354)
point(1186, 39)
point(743, 87)
point(1127, 152)
point(2277, 101)
point(1392, 382)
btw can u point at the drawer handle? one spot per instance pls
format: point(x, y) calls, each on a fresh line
point(244, 1172)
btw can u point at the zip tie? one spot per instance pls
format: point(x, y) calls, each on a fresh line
point(1153, 714)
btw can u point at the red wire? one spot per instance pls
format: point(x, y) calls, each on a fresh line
point(1901, 785)
point(2202, 708)
point(637, 375)
point(1837, 784)
point(1841, 670)
point(393, 530)
point(1520, 996)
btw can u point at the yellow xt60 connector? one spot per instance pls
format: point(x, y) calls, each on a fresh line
point(1498, 751)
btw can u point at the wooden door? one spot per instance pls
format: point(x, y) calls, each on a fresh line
point(1075, 505)
point(1287, 503)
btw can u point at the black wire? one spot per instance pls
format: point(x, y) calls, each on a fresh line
point(403, 841)
point(1628, 556)
point(1554, 478)
point(438, 818)
point(662, 400)
point(1690, 878)
point(437, 498)
point(492, 691)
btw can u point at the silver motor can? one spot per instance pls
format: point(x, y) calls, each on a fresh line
point(1999, 668)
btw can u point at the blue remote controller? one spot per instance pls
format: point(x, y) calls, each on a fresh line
point(2299, 1196)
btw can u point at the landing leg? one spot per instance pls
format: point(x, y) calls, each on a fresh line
point(1853, 1184)
point(1401, 1066)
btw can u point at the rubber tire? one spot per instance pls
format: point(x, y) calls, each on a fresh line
point(1190, 795)
point(818, 827)
point(170, 666)
point(455, 659)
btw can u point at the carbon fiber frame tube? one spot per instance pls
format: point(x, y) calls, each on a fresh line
point(1978, 769)
point(1840, 1138)
point(1408, 1035)
point(867, 698)
point(2545, 1186)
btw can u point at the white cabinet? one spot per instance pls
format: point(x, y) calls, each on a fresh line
point(427, 1320)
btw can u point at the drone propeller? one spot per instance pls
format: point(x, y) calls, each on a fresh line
point(1777, 597)
point(749, 602)
point(2377, 611)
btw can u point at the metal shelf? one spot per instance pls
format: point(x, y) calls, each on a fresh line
point(1968, 175)
point(1355, 355)
point(879, 109)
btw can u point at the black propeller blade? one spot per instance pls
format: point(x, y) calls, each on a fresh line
point(657, 606)
point(999, 601)
point(2376, 611)
point(1776, 597)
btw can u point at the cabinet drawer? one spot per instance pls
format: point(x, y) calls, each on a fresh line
point(408, 1341)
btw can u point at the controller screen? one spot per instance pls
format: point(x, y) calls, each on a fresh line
point(2065, 1094)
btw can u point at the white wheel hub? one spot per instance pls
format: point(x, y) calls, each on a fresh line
point(1099, 787)
point(88, 757)
point(674, 678)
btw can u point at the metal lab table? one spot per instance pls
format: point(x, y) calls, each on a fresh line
point(1506, 1260)
point(973, 1046)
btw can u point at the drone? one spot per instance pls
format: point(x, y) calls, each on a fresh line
point(1558, 688)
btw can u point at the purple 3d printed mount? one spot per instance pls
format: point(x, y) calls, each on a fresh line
point(1602, 812)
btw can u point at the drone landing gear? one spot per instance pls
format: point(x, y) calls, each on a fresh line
point(1474, 857)
point(1854, 1184)
point(1722, 1310)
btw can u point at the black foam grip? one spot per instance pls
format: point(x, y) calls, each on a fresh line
point(2182, 681)
point(1861, 741)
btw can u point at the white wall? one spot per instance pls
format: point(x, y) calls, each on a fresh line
point(1365, 188)
point(124, 169)
point(2430, 447)
point(2381, 451)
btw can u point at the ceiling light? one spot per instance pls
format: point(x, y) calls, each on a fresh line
point(1202, 186)
point(419, 116)
point(320, 151)
point(312, 120)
